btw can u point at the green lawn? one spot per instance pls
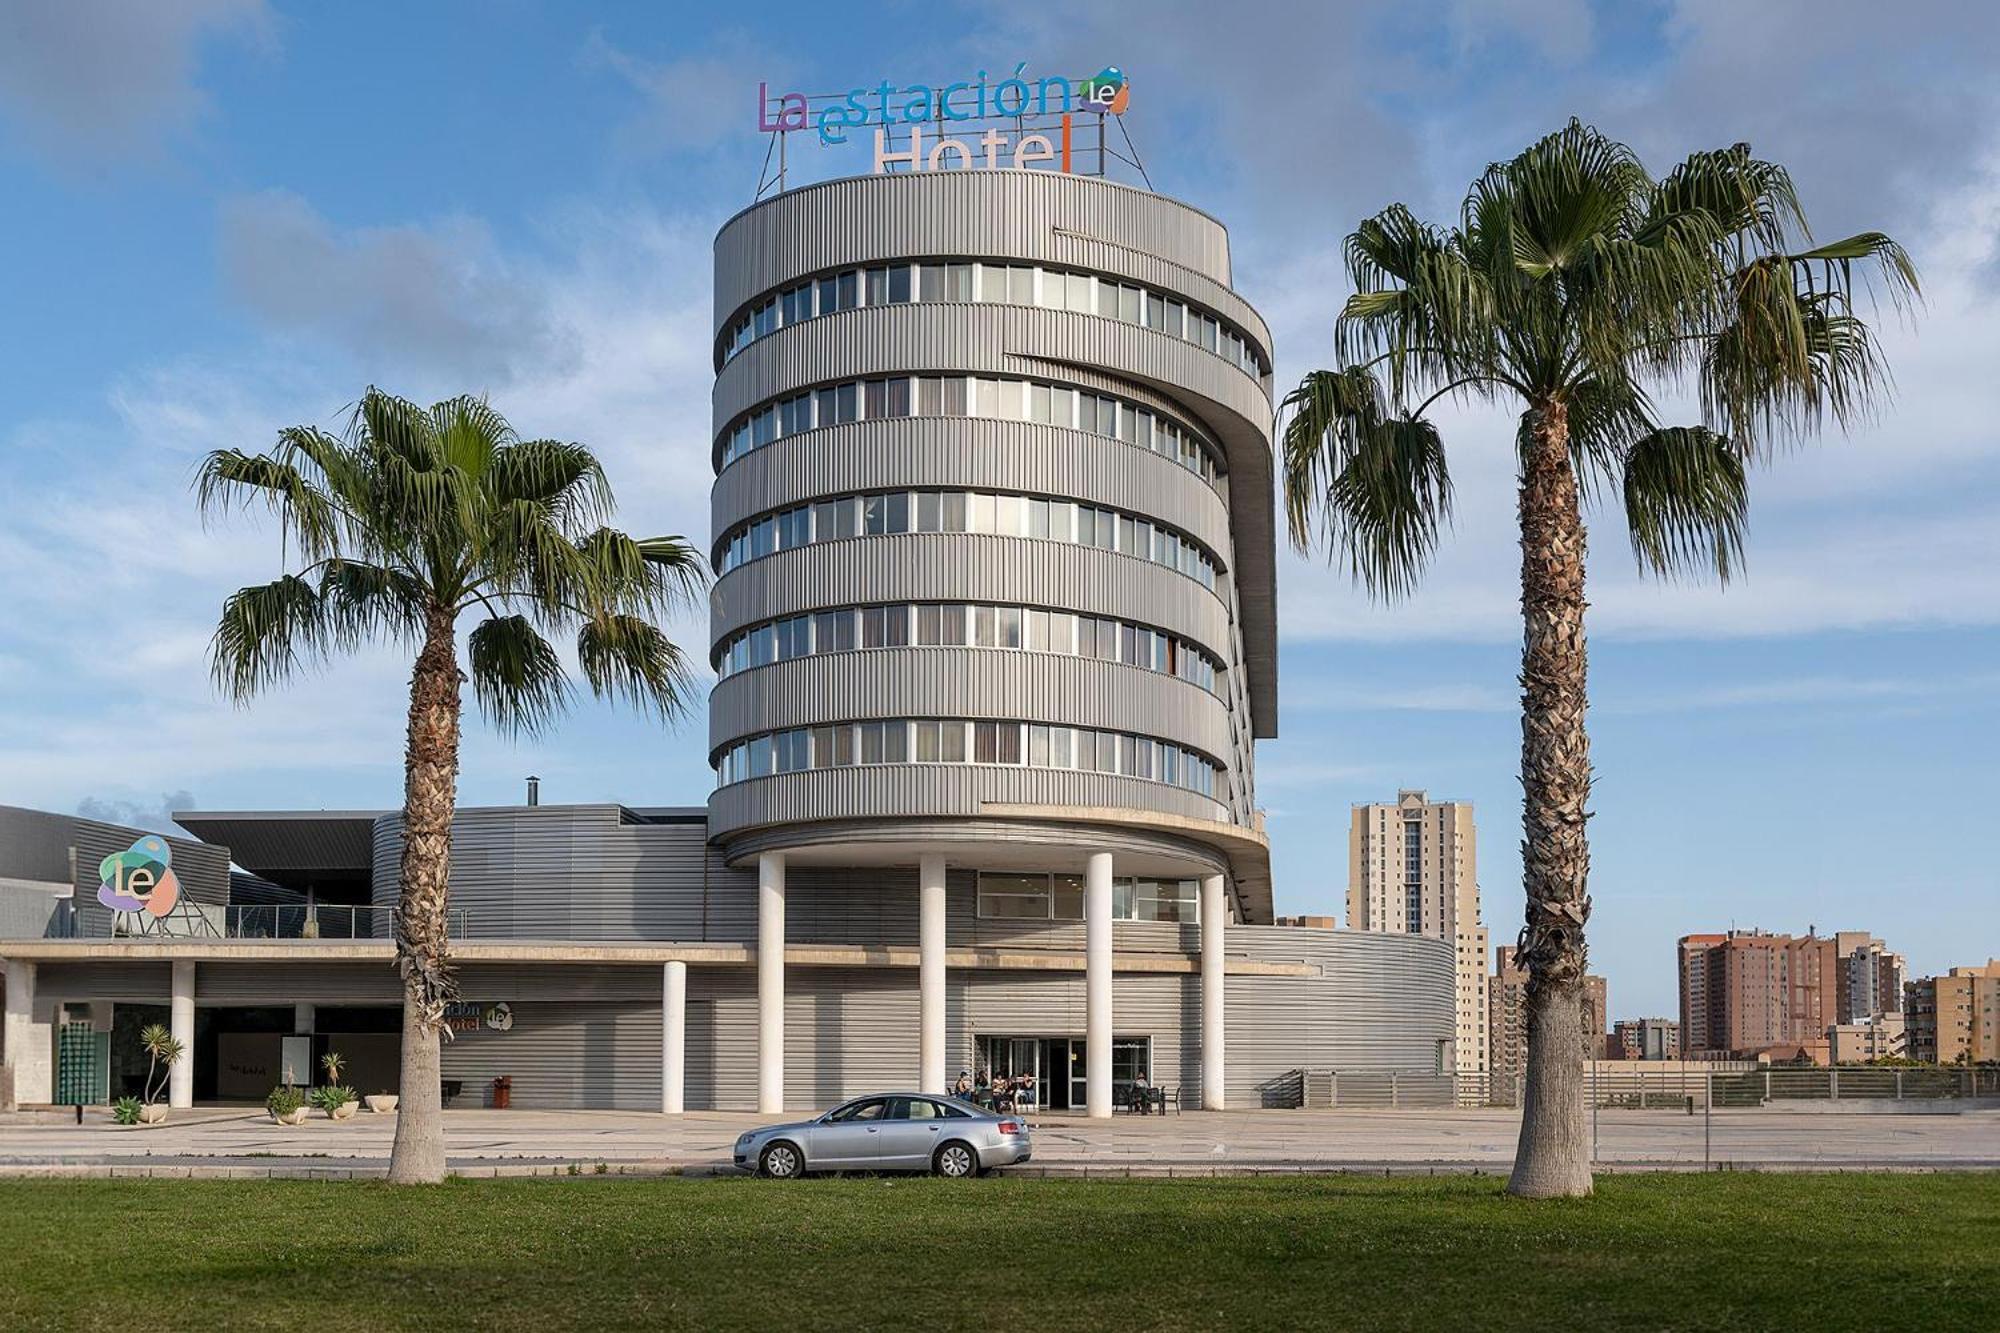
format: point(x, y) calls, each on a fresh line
point(1019, 1256)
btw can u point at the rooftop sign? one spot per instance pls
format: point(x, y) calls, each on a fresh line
point(1021, 122)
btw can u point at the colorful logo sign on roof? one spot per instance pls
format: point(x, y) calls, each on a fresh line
point(1107, 90)
point(140, 878)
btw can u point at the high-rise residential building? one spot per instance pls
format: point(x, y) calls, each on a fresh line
point(1748, 990)
point(1870, 977)
point(1956, 1016)
point(1413, 868)
point(1507, 1018)
point(1647, 1039)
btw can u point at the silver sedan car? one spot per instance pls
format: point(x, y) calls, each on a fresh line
point(893, 1131)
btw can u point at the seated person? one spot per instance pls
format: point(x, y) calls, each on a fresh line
point(1141, 1096)
point(962, 1088)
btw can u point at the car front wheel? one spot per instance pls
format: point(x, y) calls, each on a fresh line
point(781, 1161)
point(956, 1161)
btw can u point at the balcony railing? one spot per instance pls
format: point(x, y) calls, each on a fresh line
point(268, 921)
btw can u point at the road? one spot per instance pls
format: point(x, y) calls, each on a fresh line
point(238, 1141)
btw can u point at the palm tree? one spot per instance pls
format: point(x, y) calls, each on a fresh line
point(163, 1052)
point(409, 520)
point(1573, 286)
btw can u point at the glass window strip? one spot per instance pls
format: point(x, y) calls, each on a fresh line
point(955, 740)
point(1101, 294)
point(892, 513)
point(997, 397)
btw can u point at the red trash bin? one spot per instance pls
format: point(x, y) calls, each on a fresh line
point(503, 1092)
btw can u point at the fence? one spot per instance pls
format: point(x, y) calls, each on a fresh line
point(1392, 1088)
point(1674, 1085)
point(267, 921)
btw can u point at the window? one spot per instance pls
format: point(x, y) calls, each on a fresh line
point(873, 1108)
point(920, 1108)
point(1014, 897)
point(833, 631)
point(899, 283)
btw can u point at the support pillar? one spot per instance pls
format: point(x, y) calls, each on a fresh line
point(771, 983)
point(930, 974)
point(30, 1044)
point(1097, 985)
point(1214, 915)
point(180, 1019)
point(673, 1039)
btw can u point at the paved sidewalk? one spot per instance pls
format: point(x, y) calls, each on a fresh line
point(239, 1141)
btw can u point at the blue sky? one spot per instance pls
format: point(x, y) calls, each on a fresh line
point(229, 215)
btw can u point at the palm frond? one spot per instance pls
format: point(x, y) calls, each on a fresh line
point(362, 600)
point(517, 676)
point(1377, 485)
point(1687, 502)
point(626, 657)
point(565, 478)
point(266, 632)
point(230, 477)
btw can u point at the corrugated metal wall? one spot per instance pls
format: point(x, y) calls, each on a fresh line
point(942, 682)
point(968, 453)
point(1064, 219)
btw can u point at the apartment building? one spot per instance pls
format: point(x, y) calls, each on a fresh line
point(1955, 1017)
point(1507, 1019)
point(1413, 868)
point(1750, 990)
point(1646, 1039)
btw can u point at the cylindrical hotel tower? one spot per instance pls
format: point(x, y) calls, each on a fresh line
point(993, 538)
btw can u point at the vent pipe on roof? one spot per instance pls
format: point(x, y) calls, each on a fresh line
point(534, 790)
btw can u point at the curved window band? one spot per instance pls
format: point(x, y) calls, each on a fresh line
point(994, 283)
point(959, 625)
point(957, 741)
point(1001, 398)
point(889, 513)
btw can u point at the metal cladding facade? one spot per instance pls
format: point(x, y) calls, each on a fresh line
point(1116, 237)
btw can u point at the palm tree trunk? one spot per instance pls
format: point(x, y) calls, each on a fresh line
point(1553, 1157)
point(430, 793)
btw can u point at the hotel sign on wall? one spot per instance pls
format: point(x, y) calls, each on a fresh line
point(978, 122)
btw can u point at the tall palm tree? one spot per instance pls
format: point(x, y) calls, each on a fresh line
point(411, 519)
point(1574, 286)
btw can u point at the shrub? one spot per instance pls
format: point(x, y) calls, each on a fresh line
point(125, 1110)
point(284, 1100)
point(332, 1097)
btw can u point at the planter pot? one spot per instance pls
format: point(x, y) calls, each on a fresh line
point(381, 1102)
point(342, 1111)
point(297, 1117)
point(152, 1113)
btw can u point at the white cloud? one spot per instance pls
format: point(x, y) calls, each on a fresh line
point(113, 583)
point(87, 81)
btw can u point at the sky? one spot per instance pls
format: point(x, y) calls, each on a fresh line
point(229, 216)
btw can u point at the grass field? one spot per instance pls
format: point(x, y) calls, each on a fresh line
point(1023, 1256)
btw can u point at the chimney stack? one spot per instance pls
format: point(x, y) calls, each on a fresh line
point(534, 790)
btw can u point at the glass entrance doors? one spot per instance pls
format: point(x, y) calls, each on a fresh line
point(1060, 1066)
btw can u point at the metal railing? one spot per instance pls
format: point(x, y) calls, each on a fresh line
point(1631, 1085)
point(1388, 1088)
point(270, 921)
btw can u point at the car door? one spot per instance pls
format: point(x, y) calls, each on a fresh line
point(849, 1137)
point(913, 1132)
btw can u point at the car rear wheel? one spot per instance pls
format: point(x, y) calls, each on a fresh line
point(956, 1161)
point(781, 1161)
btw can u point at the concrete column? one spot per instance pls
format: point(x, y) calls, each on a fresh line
point(180, 1079)
point(771, 982)
point(30, 1044)
point(304, 1016)
point(1214, 915)
point(930, 974)
point(673, 1039)
point(1097, 985)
